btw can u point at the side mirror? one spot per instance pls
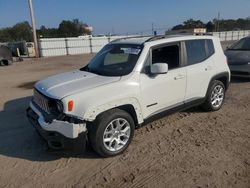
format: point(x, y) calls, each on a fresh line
point(159, 68)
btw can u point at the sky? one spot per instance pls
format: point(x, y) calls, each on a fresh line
point(121, 16)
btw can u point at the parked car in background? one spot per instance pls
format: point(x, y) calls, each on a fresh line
point(129, 82)
point(238, 56)
point(5, 56)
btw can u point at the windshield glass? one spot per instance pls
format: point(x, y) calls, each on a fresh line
point(243, 44)
point(115, 60)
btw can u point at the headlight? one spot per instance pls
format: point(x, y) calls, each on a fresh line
point(55, 106)
point(248, 63)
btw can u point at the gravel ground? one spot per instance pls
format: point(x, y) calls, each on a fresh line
point(187, 149)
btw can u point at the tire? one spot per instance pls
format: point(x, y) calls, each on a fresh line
point(215, 96)
point(6, 62)
point(116, 127)
point(10, 62)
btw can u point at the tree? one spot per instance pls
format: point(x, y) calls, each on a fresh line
point(189, 24)
point(69, 28)
point(178, 27)
point(5, 35)
point(210, 26)
point(22, 31)
point(44, 32)
point(224, 25)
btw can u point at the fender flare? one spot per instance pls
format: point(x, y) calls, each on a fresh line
point(217, 77)
point(92, 113)
point(221, 75)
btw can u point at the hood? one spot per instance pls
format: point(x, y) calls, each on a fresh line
point(236, 57)
point(65, 84)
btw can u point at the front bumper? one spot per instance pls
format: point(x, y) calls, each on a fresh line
point(58, 134)
point(240, 70)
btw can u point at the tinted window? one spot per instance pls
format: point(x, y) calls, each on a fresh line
point(210, 48)
point(196, 51)
point(243, 44)
point(167, 54)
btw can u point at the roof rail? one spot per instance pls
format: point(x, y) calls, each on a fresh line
point(158, 37)
point(131, 37)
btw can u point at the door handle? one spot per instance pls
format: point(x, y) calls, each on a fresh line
point(179, 77)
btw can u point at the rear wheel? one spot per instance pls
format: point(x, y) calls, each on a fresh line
point(112, 132)
point(215, 96)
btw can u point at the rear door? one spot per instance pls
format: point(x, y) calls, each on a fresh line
point(200, 67)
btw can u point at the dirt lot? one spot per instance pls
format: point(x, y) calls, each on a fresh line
point(187, 149)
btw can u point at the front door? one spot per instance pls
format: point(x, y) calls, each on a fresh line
point(163, 91)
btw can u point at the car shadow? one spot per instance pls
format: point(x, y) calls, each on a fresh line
point(20, 140)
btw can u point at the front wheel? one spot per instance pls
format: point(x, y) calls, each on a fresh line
point(112, 132)
point(215, 96)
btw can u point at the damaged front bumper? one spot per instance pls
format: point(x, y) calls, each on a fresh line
point(59, 134)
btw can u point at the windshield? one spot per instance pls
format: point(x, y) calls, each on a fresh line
point(243, 44)
point(114, 60)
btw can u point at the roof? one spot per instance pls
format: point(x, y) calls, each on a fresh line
point(139, 40)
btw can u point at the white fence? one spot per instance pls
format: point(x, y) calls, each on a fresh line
point(71, 46)
point(86, 45)
point(232, 35)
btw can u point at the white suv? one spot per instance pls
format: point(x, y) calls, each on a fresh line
point(129, 82)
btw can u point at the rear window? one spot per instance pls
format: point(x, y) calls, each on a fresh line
point(198, 50)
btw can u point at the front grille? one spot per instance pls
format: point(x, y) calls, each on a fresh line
point(41, 101)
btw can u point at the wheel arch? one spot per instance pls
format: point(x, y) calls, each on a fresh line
point(223, 77)
point(131, 106)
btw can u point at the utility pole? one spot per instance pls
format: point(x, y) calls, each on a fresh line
point(33, 28)
point(113, 30)
point(152, 28)
point(218, 22)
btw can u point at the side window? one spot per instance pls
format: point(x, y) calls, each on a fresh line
point(196, 51)
point(210, 48)
point(167, 54)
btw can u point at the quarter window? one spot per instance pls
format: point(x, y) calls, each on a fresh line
point(210, 48)
point(199, 50)
point(196, 51)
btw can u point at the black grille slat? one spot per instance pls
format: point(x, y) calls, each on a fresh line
point(41, 101)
